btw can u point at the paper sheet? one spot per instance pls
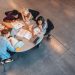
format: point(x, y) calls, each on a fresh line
point(24, 33)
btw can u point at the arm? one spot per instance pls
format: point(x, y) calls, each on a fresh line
point(40, 27)
point(7, 25)
point(10, 47)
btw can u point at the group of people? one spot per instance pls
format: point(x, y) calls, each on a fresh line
point(11, 16)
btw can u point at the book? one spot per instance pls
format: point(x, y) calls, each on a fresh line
point(15, 43)
point(25, 33)
point(19, 44)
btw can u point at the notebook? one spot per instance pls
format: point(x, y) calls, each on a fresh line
point(15, 43)
point(19, 44)
point(24, 33)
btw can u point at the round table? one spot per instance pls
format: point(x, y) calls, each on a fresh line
point(29, 44)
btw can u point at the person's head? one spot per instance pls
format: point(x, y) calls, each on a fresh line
point(14, 12)
point(40, 20)
point(25, 12)
point(5, 32)
point(9, 19)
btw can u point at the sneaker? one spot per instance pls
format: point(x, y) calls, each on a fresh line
point(8, 60)
point(2, 62)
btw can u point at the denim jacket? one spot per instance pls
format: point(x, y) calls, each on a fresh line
point(4, 46)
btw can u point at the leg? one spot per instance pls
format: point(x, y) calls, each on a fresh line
point(38, 45)
point(5, 58)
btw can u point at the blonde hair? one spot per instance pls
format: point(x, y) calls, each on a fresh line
point(25, 11)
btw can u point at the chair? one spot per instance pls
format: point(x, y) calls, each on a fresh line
point(49, 28)
point(34, 13)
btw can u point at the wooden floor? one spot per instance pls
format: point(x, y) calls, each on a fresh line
point(54, 57)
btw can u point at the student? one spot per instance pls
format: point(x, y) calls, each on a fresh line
point(26, 15)
point(5, 46)
point(49, 29)
point(14, 13)
point(42, 24)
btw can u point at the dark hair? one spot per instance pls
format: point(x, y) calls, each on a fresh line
point(10, 15)
point(40, 18)
point(16, 12)
point(4, 31)
point(9, 18)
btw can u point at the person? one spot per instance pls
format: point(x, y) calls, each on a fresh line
point(11, 16)
point(26, 15)
point(42, 24)
point(49, 29)
point(5, 46)
point(14, 13)
point(34, 13)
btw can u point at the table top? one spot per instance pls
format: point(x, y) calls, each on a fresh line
point(29, 44)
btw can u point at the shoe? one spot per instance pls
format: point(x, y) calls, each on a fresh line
point(2, 62)
point(8, 60)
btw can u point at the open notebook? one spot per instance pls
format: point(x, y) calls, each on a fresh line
point(24, 33)
point(16, 43)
